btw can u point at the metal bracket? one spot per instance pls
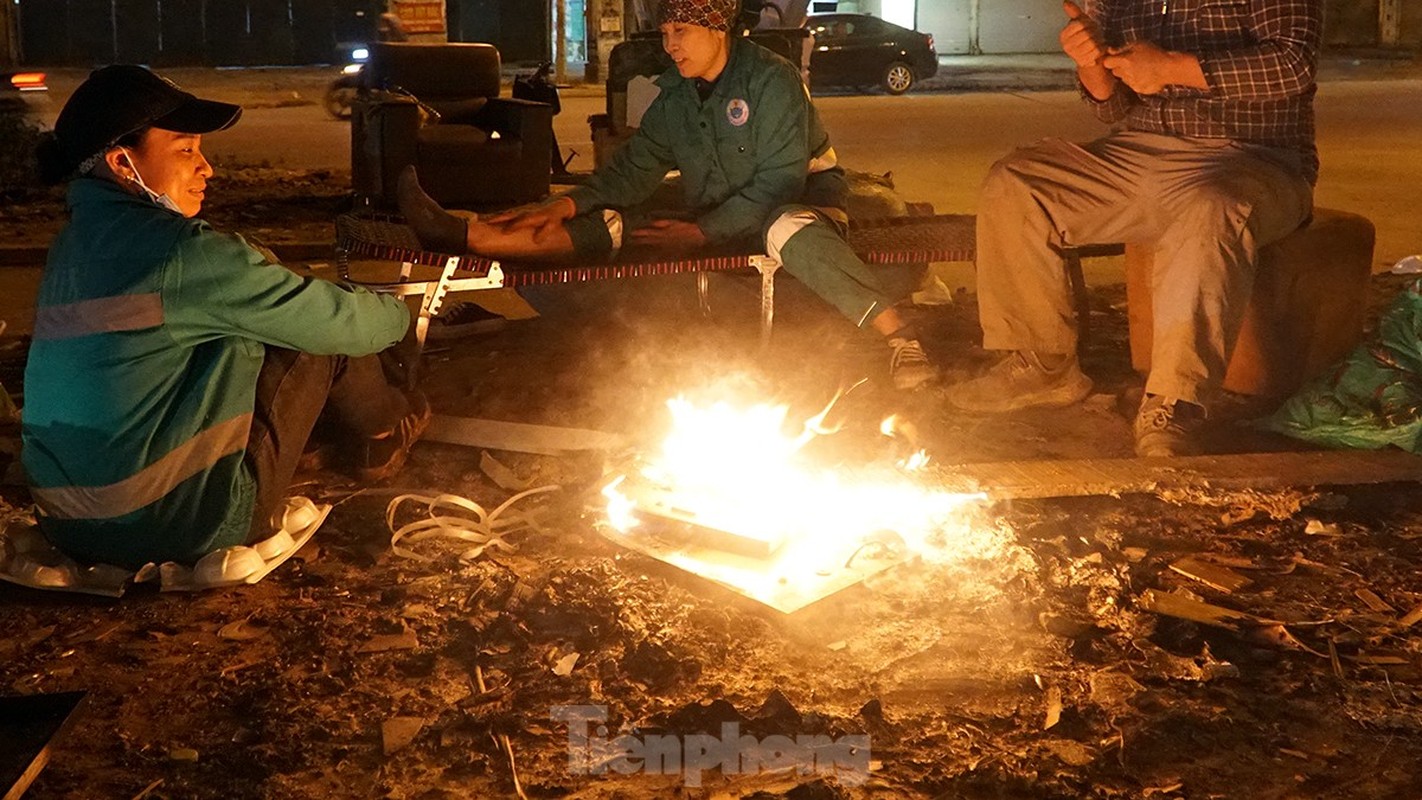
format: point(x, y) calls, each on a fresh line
point(703, 293)
point(767, 267)
point(434, 296)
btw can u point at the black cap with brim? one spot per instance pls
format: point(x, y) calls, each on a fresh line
point(196, 115)
point(117, 100)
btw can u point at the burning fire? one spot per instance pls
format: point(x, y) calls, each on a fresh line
point(738, 473)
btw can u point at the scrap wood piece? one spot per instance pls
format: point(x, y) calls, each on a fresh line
point(1333, 659)
point(1233, 562)
point(1054, 707)
point(506, 478)
point(29, 727)
point(384, 643)
point(1378, 661)
point(502, 740)
point(396, 733)
point(1412, 618)
point(1216, 577)
point(1372, 601)
point(518, 437)
point(1070, 751)
point(1180, 606)
point(1116, 476)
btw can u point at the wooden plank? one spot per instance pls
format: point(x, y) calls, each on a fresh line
point(1389, 22)
point(516, 436)
point(1222, 578)
point(1373, 602)
point(29, 727)
point(1180, 606)
point(1264, 471)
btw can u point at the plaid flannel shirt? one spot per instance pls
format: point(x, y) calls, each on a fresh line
point(1259, 58)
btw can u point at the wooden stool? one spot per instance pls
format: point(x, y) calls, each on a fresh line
point(1305, 313)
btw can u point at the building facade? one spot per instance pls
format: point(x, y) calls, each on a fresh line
point(1031, 26)
point(571, 32)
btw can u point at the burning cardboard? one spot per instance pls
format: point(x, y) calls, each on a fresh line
point(732, 498)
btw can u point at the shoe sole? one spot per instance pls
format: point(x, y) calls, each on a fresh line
point(913, 381)
point(444, 333)
point(1166, 451)
point(1060, 397)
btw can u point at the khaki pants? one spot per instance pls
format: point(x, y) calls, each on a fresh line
point(1207, 204)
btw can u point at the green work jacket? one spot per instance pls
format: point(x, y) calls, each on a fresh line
point(140, 383)
point(742, 153)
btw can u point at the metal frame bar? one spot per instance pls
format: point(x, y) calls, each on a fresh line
point(767, 268)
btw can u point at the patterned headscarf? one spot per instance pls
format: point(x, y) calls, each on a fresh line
point(714, 14)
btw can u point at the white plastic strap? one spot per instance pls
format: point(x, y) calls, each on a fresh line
point(484, 529)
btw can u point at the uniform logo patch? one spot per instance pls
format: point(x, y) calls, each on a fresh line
point(738, 112)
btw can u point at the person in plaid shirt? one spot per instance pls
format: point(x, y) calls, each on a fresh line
point(1212, 157)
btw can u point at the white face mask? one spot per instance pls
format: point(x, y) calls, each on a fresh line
point(160, 200)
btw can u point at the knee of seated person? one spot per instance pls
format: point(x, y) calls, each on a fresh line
point(1013, 170)
point(788, 221)
point(596, 234)
point(1005, 176)
point(1214, 204)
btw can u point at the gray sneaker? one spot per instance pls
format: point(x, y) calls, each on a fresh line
point(1020, 381)
point(909, 366)
point(1167, 427)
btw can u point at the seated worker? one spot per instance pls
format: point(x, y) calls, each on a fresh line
point(176, 373)
point(756, 167)
point(1215, 159)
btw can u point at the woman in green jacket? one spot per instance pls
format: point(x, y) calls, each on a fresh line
point(756, 168)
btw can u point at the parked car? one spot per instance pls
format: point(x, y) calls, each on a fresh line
point(860, 50)
point(22, 91)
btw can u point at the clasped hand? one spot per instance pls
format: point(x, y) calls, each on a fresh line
point(541, 219)
point(1143, 66)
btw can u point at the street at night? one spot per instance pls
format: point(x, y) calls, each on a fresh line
point(653, 524)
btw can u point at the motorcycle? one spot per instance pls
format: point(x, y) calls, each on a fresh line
point(341, 92)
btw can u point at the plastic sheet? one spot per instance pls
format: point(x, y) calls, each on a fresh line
point(1371, 399)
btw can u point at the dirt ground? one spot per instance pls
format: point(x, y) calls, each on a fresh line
point(1026, 666)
